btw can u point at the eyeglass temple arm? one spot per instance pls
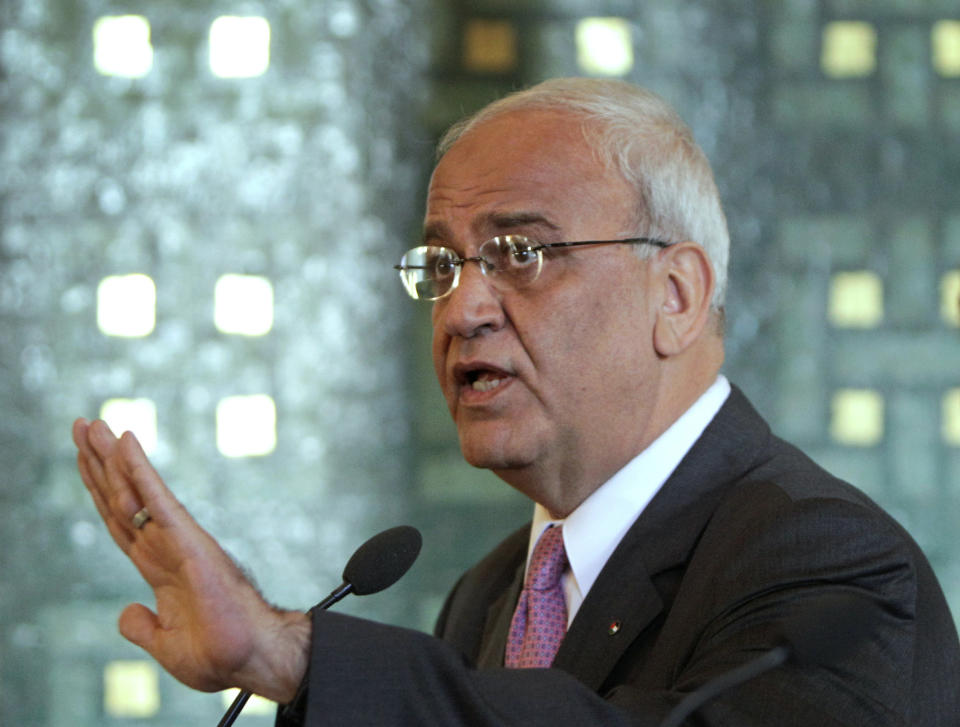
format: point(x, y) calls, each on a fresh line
point(625, 241)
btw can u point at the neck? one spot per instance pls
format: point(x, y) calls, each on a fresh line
point(562, 486)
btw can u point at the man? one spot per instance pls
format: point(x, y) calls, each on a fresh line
point(680, 536)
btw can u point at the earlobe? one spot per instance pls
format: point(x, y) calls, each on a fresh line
point(685, 279)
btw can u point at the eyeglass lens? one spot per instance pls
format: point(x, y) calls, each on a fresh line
point(430, 272)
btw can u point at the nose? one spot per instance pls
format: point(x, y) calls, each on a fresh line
point(472, 307)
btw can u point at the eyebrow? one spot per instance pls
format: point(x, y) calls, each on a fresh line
point(506, 220)
point(435, 229)
point(497, 221)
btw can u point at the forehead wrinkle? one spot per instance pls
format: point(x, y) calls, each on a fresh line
point(439, 223)
point(490, 223)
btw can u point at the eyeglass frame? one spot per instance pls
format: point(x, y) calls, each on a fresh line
point(538, 248)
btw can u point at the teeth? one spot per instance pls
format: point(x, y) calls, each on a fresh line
point(486, 385)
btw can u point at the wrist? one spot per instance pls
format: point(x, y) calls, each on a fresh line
point(282, 658)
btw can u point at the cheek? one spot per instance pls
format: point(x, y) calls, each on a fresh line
point(562, 343)
point(439, 347)
point(437, 344)
point(596, 338)
point(438, 351)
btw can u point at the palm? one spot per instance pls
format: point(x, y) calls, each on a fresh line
point(209, 619)
point(198, 632)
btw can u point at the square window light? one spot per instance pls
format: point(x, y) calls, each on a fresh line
point(239, 46)
point(856, 300)
point(951, 417)
point(243, 304)
point(255, 705)
point(121, 46)
point(490, 46)
point(604, 46)
point(857, 417)
point(126, 305)
point(945, 46)
point(950, 298)
point(131, 689)
point(135, 415)
point(246, 426)
point(849, 49)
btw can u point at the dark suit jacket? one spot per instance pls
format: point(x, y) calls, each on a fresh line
point(746, 532)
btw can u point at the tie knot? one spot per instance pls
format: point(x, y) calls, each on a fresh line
point(549, 560)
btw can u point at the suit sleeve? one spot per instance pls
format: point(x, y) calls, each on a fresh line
point(762, 557)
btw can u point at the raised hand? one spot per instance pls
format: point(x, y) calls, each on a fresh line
point(211, 629)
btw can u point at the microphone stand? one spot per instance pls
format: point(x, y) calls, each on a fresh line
point(753, 668)
point(233, 711)
point(377, 564)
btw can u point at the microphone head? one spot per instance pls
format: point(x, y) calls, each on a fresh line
point(382, 560)
point(831, 626)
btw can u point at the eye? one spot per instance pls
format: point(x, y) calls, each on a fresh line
point(522, 251)
point(442, 263)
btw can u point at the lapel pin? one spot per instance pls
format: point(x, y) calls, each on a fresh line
point(613, 628)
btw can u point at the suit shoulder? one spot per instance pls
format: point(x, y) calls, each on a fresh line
point(799, 477)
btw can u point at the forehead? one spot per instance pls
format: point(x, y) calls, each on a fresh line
point(536, 162)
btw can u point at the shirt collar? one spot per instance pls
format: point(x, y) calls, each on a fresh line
point(593, 531)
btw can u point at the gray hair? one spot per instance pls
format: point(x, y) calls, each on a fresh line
point(643, 136)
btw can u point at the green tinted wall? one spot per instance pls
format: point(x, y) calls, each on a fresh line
point(832, 127)
point(304, 177)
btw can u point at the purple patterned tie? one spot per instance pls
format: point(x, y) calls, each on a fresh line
point(540, 621)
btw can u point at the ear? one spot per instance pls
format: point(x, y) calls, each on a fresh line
point(685, 279)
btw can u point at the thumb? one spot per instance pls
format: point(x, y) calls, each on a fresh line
point(138, 624)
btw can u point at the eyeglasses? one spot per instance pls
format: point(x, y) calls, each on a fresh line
point(430, 272)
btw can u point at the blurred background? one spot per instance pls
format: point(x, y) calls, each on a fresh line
point(201, 205)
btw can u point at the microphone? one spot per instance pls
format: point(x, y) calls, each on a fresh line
point(374, 566)
point(817, 635)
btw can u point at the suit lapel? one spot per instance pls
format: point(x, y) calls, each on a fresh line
point(611, 618)
point(625, 599)
point(497, 625)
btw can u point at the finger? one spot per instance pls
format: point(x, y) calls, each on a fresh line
point(94, 479)
point(146, 481)
point(87, 477)
point(81, 437)
point(141, 626)
point(140, 470)
point(91, 477)
point(119, 532)
point(101, 439)
point(122, 497)
point(138, 624)
point(114, 494)
point(101, 447)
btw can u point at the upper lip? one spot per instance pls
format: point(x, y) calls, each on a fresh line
point(465, 372)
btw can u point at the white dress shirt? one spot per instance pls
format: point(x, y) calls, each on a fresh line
point(594, 530)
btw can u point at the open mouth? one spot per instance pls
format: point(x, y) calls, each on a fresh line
point(485, 380)
point(481, 378)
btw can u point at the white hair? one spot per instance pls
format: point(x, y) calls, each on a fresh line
point(643, 136)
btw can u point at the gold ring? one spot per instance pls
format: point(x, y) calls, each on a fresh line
point(141, 518)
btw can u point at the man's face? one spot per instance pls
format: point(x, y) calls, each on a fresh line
point(549, 386)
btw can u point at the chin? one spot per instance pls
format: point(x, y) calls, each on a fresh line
point(484, 458)
point(494, 453)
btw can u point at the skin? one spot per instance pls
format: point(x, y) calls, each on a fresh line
point(211, 629)
point(596, 359)
point(589, 376)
